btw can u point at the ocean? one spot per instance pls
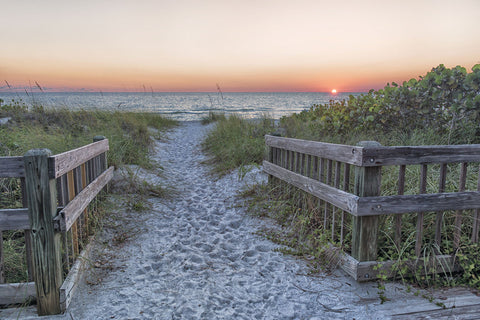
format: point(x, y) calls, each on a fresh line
point(183, 106)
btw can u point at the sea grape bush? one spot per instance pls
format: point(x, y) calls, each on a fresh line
point(445, 100)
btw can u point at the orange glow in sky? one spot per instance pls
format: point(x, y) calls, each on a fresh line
point(247, 45)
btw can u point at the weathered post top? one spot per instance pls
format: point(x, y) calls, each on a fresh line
point(98, 138)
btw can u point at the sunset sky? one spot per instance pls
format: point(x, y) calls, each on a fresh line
point(262, 45)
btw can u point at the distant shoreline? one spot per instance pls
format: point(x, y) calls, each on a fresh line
point(181, 106)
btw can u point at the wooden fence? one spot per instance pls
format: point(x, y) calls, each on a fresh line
point(357, 206)
point(56, 193)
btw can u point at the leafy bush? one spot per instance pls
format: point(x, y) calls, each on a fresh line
point(447, 100)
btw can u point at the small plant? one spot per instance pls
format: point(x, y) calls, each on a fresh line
point(236, 142)
point(213, 117)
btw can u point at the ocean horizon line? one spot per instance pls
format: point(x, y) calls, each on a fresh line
point(150, 92)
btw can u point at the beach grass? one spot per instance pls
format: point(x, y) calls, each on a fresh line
point(28, 127)
point(213, 117)
point(236, 142)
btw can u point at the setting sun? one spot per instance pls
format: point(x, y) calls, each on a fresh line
point(334, 91)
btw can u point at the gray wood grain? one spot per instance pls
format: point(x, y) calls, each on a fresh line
point(42, 204)
point(73, 278)
point(338, 198)
point(386, 156)
point(14, 219)
point(12, 167)
point(365, 228)
point(67, 161)
point(74, 208)
point(13, 293)
point(338, 152)
point(417, 203)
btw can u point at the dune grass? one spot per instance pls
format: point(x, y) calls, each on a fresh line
point(29, 127)
point(236, 142)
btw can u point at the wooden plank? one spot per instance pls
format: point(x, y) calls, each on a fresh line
point(369, 270)
point(14, 219)
point(74, 208)
point(349, 264)
point(2, 260)
point(62, 190)
point(85, 212)
point(337, 186)
point(71, 196)
point(67, 161)
point(269, 158)
point(387, 156)
point(365, 229)
point(17, 293)
point(398, 218)
point(308, 172)
point(458, 213)
point(328, 208)
point(380, 205)
point(476, 215)
point(321, 174)
point(28, 235)
point(451, 299)
point(439, 216)
point(338, 152)
point(346, 187)
point(42, 204)
point(286, 162)
point(419, 227)
point(417, 203)
point(302, 164)
point(73, 278)
point(297, 162)
point(102, 158)
point(338, 198)
point(315, 168)
point(79, 222)
point(468, 312)
point(12, 167)
point(380, 155)
point(275, 155)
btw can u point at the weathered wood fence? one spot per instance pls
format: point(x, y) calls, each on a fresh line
point(354, 205)
point(56, 193)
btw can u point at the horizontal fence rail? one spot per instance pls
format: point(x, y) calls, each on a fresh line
point(12, 167)
point(348, 182)
point(67, 161)
point(74, 208)
point(57, 191)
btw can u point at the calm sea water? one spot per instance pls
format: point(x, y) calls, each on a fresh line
point(182, 106)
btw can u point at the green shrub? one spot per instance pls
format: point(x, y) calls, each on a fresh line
point(446, 100)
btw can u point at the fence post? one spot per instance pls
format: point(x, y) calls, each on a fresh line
point(270, 159)
point(365, 229)
point(42, 206)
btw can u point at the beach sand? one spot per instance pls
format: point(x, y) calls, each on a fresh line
point(197, 255)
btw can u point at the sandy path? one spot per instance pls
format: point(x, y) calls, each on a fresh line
point(197, 257)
